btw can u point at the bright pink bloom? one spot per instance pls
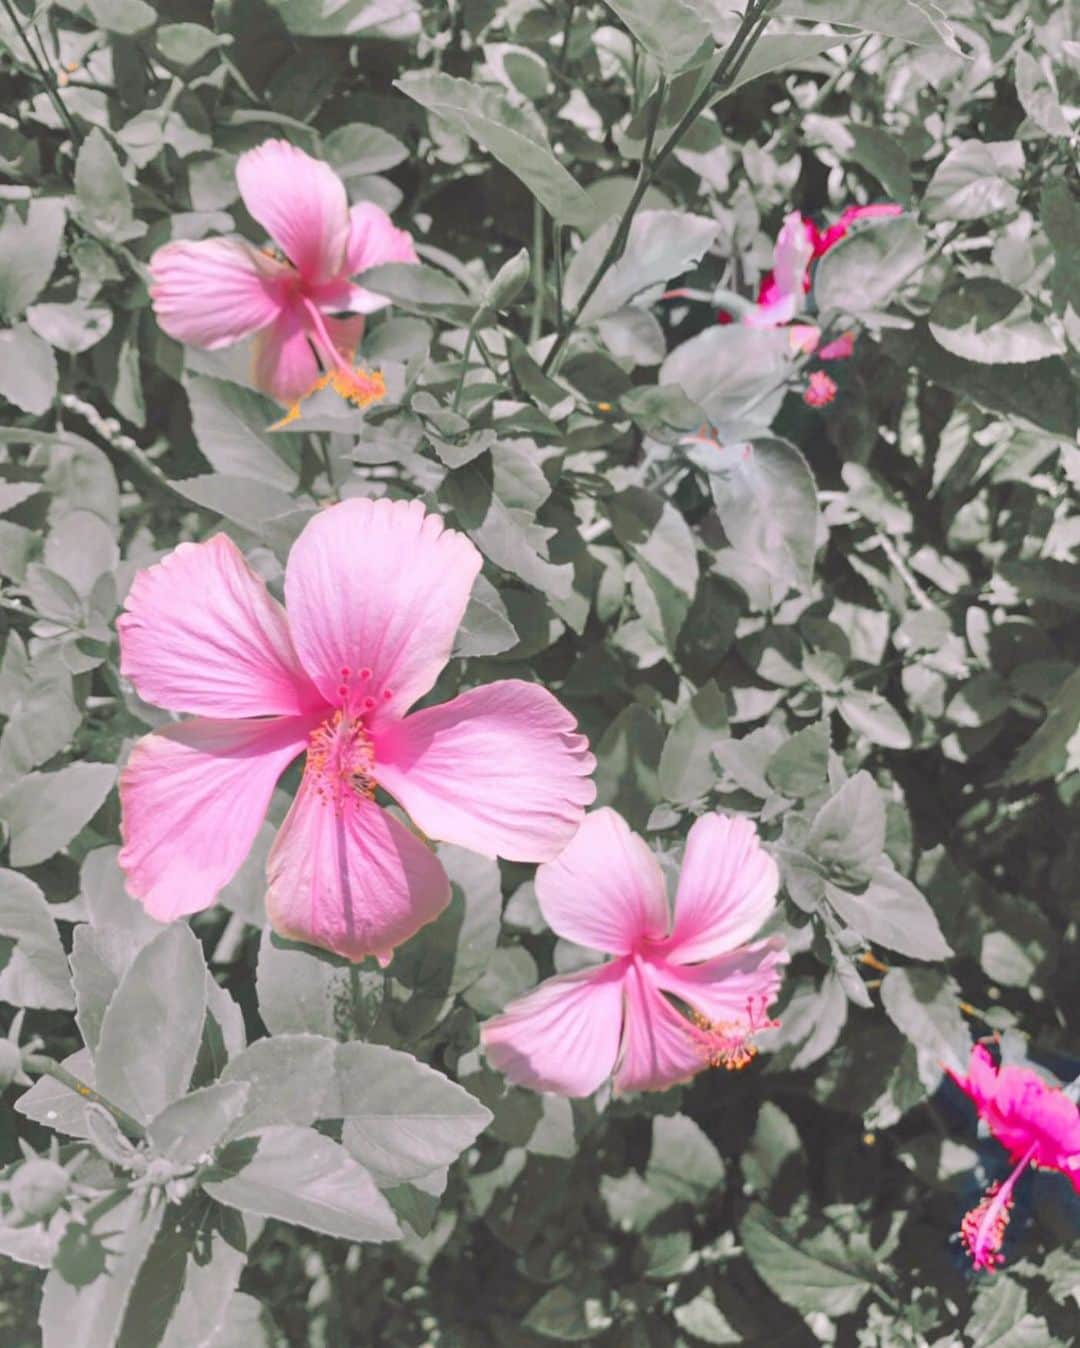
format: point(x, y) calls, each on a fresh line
point(840, 349)
point(839, 229)
point(214, 292)
point(607, 892)
point(1036, 1123)
point(820, 389)
point(375, 591)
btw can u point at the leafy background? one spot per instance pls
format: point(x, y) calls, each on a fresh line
point(863, 635)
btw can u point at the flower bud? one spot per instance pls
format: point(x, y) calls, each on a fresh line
point(39, 1187)
point(509, 280)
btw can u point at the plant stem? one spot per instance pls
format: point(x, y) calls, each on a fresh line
point(41, 1065)
point(537, 320)
point(749, 30)
point(43, 71)
point(469, 339)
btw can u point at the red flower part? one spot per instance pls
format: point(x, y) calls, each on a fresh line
point(839, 229)
point(820, 390)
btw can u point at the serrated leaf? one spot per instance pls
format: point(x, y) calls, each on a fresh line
point(288, 1077)
point(810, 1274)
point(194, 1125)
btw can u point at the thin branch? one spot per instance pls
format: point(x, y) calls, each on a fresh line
point(43, 71)
point(43, 1066)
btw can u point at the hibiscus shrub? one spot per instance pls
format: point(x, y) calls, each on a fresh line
point(541, 712)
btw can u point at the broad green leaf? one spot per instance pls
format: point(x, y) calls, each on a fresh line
point(195, 1124)
point(661, 542)
point(674, 33)
point(211, 1273)
point(151, 1031)
point(882, 155)
point(686, 766)
point(288, 1077)
point(799, 767)
point(984, 321)
point(737, 374)
point(782, 51)
point(261, 509)
point(871, 715)
point(892, 913)
point(512, 134)
point(767, 502)
point(1059, 211)
point(486, 628)
point(304, 992)
point(1038, 95)
point(28, 250)
point(36, 973)
point(41, 722)
point(684, 1166)
point(1000, 1318)
point(99, 957)
point(863, 272)
point(185, 44)
point(1046, 752)
point(627, 764)
point(27, 368)
point(231, 426)
point(346, 18)
point(847, 836)
point(355, 150)
point(923, 1006)
point(975, 179)
point(304, 1178)
point(420, 290)
point(73, 328)
point(918, 21)
point(103, 195)
point(567, 1315)
point(126, 17)
point(45, 810)
point(659, 246)
point(402, 1118)
point(979, 700)
point(813, 1273)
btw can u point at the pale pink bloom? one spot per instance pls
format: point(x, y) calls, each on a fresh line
point(374, 593)
point(783, 289)
point(820, 389)
point(1036, 1123)
point(607, 892)
point(214, 292)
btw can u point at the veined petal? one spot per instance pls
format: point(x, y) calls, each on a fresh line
point(793, 254)
point(213, 292)
point(373, 240)
point(730, 988)
point(201, 633)
point(562, 1037)
point(301, 203)
point(606, 890)
point(727, 888)
point(659, 1048)
point(500, 769)
point(346, 876)
point(376, 590)
point(284, 362)
point(193, 796)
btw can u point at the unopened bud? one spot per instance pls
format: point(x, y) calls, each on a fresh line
point(39, 1187)
point(509, 280)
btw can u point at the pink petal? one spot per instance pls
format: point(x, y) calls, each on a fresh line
point(840, 349)
point(727, 888)
point(285, 364)
point(200, 633)
point(773, 308)
point(301, 203)
point(193, 796)
point(349, 878)
point(500, 769)
point(792, 255)
point(606, 890)
point(377, 589)
point(373, 240)
point(564, 1036)
point(213, 292)
point(730, 988)
point(659, 1048)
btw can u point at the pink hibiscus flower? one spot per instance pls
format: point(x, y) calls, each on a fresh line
point(607, 892)
point(214, 292)
point(1036, 1123)
point(375, 591)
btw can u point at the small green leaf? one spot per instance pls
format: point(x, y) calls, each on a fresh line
point(73, 328)
point(882, 155)
point(45, 810)
point(975, 179)
point(28, 252)
point(864, 271)
point(871, 715)
point(674, 33)
point(197, 1123)
point(799, 767)
point(288, 1077)
point(355, 150)
point(810, 1273)
point(185, 44)
point(848, 833)
point(126, 17)
point(922, 1004)
point(892, 913)
point(104, 198)
point(686, 764)
point(36, 973)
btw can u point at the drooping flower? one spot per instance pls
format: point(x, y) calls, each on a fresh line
point(1036, 1123)
point(820, 389)
point(374, 592)
point(676, 997)
point(211, 293)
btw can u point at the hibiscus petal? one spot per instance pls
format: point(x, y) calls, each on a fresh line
point(201, 633)
point(213, 292)
point(659, 1048)
point(564, 1036)
point(606, 890)
point(727, 888)
point(500, 769)
point(373, 240)
point(730, 988)
point(349, 878)
point(193, 796)
point(284, 362)
point(377, 588)
point(301, 203)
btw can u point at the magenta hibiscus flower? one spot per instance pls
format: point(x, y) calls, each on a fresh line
point(1036, 1123)
point(375, 591)
point(674, 999)
point(214, 292)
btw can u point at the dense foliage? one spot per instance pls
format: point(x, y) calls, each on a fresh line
point(837, 596)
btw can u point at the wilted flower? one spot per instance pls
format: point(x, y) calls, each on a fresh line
point(211, 293)
point(375, 591)
point(676, 997)
point(1036, 1123)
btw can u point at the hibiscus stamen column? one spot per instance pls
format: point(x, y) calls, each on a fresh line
point(983, 1228)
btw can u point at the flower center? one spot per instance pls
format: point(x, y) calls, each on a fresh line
point(728, 1043)
point(982, 1231)
point(341, 762)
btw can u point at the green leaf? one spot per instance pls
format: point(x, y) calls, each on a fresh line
point(882, 155)
point(355, 150)
point(346, 18)
point(288, 1077)
point(420, 290)
point(198, 1122)
point(303, 992)
point(186, 1283)
point(892, 913)
point(686, 766)
point(1059, 212)
point(781, 51)
point(103, 196)
point(661, 542)
point(41, 721)
point(567, 1316)
point(185, 44)
point(28, 252)
point(151, 1031)
point(674, 33)
point(126, 17)
point(28, 374)
point(847, 836)
point(975, 179)
point(982, 320)
point(231, 426)
point(767, 502)
point(922, 1005)
point(73, 328)
point(627, 764)
point(36, 973)
point(918, 21)
point(799, 767)
point(872, 716)
point(1000, 1318)
point(514, 135)
point(1046, 752)
point(737, 375)
point(402, 1118)
point(45, 810)
point(486, 628)
point(684, 1166)
point(302, 1177)
point(1038, 95)
point(864, 271)
point(809, 1273)
point(660, 245)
